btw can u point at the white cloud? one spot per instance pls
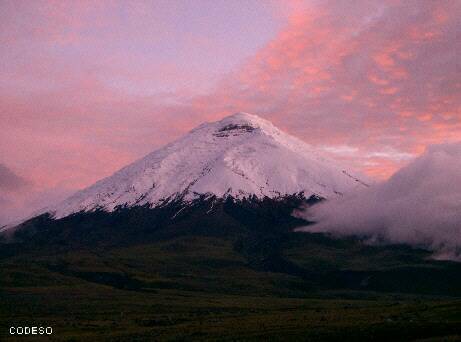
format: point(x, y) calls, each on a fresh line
point(419, 205)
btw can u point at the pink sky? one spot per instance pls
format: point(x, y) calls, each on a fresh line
point(87, 87)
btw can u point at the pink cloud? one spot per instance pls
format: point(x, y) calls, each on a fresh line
point(374, 75)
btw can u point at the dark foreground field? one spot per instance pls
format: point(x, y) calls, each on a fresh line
point(236, 272)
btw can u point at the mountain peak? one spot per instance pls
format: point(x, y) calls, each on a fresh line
point(245, 118)
point(241, 155)
point(240, 123)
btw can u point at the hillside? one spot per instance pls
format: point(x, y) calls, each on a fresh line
point(138, 273)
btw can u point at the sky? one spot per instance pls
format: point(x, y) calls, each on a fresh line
point(87, 87)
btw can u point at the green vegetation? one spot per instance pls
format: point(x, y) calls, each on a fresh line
point(236, 272)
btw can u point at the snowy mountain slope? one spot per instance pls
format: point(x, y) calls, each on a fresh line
point(238, 156)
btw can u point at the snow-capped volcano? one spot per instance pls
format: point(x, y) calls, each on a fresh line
point(239, 156)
